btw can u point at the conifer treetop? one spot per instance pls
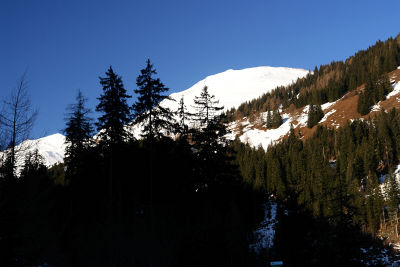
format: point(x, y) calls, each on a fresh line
point(147, 108)
point(113, 105)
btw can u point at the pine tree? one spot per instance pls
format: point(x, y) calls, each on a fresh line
point(209, 141)
point(276, 119)
point(113, 105)
point(147, 108)
point(206, 108)
point(269, 119)
point(366, 98)
point(78, 132)
point(385, 87)
point(393, 202)
point(315, 114)
point(374, 203)
point(183, 116)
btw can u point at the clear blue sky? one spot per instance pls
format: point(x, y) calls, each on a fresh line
point(67, 45)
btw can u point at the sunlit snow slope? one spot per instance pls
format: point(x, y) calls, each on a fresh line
point(51, 147)
point(233, 87)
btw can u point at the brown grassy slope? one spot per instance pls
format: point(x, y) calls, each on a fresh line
point(346, 108)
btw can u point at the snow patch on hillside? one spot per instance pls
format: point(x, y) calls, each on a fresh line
point(376, 107)
point(328, 105)
point(265, 233)
point(327, 115)
point(303, 117)
point(396, 90)
point(257, 137)
point(260, 137)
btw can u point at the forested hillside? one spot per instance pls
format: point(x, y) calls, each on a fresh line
point(329, 82)
point(343, 177)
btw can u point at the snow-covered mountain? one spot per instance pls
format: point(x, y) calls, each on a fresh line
point(231, 88)
point(51, 147)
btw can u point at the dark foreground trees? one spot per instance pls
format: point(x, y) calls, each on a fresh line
point(192, 204)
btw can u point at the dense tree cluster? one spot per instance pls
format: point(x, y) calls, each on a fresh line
point(375, 90)
point(315, 114)
point(274, 119)
point(335, 174)
point(332, 181)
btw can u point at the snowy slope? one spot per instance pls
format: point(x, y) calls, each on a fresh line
point(233, 87)
point(264, 137)
point(51, 147)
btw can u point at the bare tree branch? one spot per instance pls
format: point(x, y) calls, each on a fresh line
point(16, 119)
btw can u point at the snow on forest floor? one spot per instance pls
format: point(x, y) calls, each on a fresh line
point(265, 233)
point(378, 258)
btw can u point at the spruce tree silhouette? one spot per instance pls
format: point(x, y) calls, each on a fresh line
point(147, 108)
point(116, 112)
point(78, 133)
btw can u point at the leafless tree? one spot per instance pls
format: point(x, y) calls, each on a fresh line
point(16, 119)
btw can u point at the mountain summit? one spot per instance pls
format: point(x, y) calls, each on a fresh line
point(233, 87)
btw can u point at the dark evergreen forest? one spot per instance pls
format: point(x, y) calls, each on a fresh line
point(335, 177)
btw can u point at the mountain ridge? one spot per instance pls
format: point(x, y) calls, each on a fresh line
point(253, 129)
point(256, 80)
